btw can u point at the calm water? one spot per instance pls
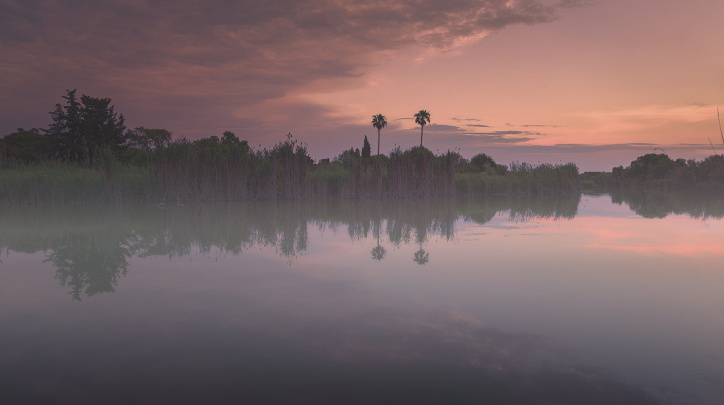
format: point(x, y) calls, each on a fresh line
point(579, 300)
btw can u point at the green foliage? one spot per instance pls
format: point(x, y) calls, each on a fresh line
point(658, 170)
point(146, 164)
point(26, 147)
point(522, 178)
point(482, 163)
point(67, 183)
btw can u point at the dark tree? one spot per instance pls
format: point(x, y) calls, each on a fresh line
point(79, 130)
point(379, 121)
point(229, 139)
point(27, 146)
point(65, 130)
point(101, 126)
point(148, 138)
point(366, 149)
point(422, 118)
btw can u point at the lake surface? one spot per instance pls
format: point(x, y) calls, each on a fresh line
point(593, 299)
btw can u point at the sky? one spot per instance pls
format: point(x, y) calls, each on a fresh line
point(594, 82)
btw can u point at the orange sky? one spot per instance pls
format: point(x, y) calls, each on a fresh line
point(597, 83)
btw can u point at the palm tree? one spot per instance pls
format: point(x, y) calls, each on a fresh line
point(379, 121)
point(422, 118)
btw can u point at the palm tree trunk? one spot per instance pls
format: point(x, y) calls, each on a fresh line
point(421, 128)
point(378, 141)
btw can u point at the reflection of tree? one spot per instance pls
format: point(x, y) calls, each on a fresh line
point(654, 203)
point(89, 263)
point(90, 247)
point(421, 257)
point(378, 252)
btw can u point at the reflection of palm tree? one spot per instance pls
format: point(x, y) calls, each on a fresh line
point(422, 118)
point(421, 257)
point(378, 252)
point(379, 122)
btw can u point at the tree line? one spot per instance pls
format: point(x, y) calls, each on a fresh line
point(149, 164)
point(654, 170)
point(81, 128)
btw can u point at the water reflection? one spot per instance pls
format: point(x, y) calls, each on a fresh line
point(90, 263)
point(653, 203)
point(498, 326)
point(90, 246)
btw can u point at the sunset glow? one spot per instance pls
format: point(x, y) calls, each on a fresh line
point(595, 83)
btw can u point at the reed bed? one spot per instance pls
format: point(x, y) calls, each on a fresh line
point(521, 179)
point(209, 170)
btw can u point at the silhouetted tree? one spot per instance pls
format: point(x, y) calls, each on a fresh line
point(81, 129)
point(366, 149)
point(148, 138)
point(65, 130)
point(379, 121)
point(422, 118)
point(229, 139)
point(101, 126)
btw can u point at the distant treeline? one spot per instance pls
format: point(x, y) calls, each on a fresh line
point(660, 171)
point(88, 155)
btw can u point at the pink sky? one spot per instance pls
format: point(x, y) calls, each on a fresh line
point(597, 83)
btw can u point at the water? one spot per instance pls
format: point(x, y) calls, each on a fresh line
point(508, 300)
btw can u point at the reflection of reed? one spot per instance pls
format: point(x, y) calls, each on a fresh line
point(90, 246)
point(520, 207)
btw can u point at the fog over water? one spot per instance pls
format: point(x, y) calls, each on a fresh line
point(578, 299)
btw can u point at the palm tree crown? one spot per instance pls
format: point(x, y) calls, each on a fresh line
point(379, 121)
point(422, 118)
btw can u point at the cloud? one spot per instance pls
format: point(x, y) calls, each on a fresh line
point(442, 128)
point(539, 126)
point(210, 57)
point(503, 136)
point(508, 124)
point(466, 119)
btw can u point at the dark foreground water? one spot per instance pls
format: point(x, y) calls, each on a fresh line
point(576, 300)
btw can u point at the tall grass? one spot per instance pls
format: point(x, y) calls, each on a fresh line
point(521, 179)
point(65, 183)
point(209, 170)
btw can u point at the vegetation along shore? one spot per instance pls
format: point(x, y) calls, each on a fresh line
point(88, 155)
